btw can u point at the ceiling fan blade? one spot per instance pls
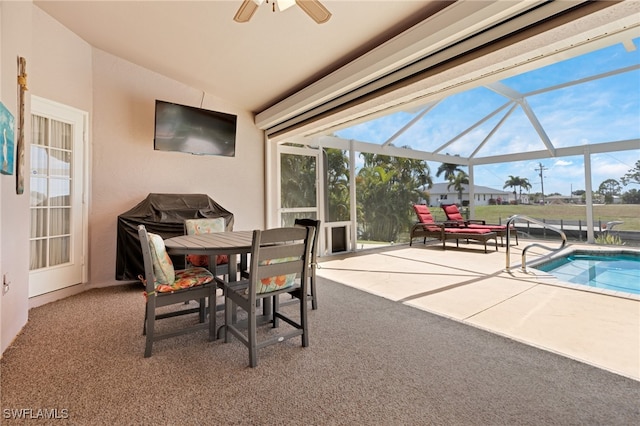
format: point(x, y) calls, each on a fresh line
point(246, 11)
point(315, 10)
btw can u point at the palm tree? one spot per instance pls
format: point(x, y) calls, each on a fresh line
point(458, 182)
point(386, 188)
point(338, 197)
point(512, 182)
point(524, 184)
point(517, 182)
point(449, 171)
point(298, 181)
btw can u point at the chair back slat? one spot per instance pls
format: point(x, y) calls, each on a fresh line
point(281, 235)
point(281, 268)
point(281, 251)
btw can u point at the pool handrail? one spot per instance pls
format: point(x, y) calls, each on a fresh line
point(524, 251)
point(609, 225)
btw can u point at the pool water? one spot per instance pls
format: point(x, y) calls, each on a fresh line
point(610, 271)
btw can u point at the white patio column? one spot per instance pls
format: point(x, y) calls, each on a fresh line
point(271, 153)
point(472, 194)
point(352, 196)
point(588, 195)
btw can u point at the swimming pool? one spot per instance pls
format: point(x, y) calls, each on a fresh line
point(617, 271)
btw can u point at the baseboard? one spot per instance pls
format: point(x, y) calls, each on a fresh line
point(52, 296)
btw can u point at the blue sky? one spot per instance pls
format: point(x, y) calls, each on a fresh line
point(602, 110)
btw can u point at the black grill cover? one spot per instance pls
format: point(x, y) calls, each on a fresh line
point(162, 214)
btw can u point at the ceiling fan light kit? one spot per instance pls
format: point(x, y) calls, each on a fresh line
point(313, 8)
point(282, 4)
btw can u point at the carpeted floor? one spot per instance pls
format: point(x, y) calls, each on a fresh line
point(371, 361)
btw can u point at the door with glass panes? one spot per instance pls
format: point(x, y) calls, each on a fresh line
point(58, 228)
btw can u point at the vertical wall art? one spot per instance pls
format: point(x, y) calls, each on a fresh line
point(7, 124)
point(22, 84)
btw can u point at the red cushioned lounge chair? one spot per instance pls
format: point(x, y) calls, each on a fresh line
point(427, 227)
point(453, 215)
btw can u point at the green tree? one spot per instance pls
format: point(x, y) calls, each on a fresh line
point(517, 182)
point(609, 188)
point(524, 184)
point(386, 189)
point(449, 170)
point(337, 165)
point(512, 183)
point(459, 180)
point(298, 181)
point(632, 176)
point(631, 197)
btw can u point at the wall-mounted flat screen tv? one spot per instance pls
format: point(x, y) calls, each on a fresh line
point(194, 130)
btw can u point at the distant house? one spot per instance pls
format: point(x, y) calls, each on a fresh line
point(440, 194)
point(561, 199)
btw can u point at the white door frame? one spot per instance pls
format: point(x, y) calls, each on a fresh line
point(80, 119)
point(284, 149)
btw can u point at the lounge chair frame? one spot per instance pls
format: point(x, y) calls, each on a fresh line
point(441, 232)
point(500, 230)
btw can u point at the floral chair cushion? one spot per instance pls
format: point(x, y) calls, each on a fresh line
point(162, 264)
point(202, 260)
point(187, 278)
point(205, 226)
point(167, 279)
point(277, 282)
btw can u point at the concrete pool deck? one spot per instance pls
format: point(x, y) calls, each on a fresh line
point(472, 287)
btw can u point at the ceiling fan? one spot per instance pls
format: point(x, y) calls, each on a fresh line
point(313, 8)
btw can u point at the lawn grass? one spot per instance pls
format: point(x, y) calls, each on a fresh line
point(627, 213)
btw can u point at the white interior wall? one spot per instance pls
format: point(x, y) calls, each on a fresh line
point(15, 39)
point(59, 69)
point(124, 168)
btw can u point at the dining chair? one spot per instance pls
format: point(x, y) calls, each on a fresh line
point(278, 257)
point(313, 294)
point(206, 226)
point(166, 286)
